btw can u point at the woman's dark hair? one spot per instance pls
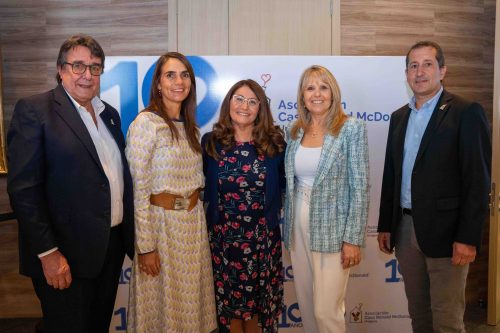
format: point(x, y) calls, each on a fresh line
point(188, 107)
point(267, 137)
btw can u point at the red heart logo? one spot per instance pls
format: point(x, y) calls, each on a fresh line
point(266, 78)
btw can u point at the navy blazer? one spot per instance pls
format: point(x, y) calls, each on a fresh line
point(275, 184)
point(57, 185)
point(450, 180)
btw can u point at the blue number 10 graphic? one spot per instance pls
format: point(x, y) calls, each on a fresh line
point(125, 75)
point(395, 269)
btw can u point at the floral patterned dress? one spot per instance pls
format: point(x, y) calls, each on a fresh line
point(246, 256)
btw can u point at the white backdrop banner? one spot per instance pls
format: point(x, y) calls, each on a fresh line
point(372, 88)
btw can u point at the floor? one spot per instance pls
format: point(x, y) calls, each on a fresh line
point(475, 322)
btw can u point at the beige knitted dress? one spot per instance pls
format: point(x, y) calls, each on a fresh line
point(181, 298)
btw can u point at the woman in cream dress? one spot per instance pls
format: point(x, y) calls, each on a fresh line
point(171, 289)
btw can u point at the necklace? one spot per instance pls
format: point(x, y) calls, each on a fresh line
point(315, 132)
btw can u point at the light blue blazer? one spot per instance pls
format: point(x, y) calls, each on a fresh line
point(340, 194)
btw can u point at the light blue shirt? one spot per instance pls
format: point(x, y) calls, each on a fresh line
point(417, 123)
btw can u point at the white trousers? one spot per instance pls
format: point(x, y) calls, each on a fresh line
point(319, 279)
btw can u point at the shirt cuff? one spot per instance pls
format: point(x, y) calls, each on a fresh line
point(43, 254)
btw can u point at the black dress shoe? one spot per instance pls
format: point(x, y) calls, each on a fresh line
point(39, 327)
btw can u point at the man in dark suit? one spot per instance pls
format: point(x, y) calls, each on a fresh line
point(434, 192)
point(70, 187)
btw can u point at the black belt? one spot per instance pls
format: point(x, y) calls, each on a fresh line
point(406, 211)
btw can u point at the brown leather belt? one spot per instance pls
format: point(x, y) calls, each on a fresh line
point(171, 201)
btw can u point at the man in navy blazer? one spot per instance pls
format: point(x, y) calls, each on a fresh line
point(70, 187)
point(434, 192)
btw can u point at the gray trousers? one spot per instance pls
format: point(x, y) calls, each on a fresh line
point(435, 288)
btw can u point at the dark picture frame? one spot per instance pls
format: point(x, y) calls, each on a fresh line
point(3, 158)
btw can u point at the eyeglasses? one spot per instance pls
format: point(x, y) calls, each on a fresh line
point(251, 102)
point(79, 68)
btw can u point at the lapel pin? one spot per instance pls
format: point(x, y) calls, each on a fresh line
point(112, 122)
point(442, 107)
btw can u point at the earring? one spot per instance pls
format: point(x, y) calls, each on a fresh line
point(159, 92)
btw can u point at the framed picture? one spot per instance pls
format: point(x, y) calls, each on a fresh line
point(3, 159)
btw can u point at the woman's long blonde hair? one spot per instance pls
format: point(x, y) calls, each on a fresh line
point(335, 117)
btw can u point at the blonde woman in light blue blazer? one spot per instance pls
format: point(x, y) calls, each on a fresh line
point(326, 206)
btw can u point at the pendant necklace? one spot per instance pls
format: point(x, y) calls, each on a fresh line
point(314, 133)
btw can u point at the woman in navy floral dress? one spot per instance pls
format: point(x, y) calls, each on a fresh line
point(243, 164)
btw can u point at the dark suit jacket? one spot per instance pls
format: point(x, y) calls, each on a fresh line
point(58, 188)
point(275, 185)
point(450, 179)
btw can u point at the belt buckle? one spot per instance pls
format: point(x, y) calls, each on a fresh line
point(181, 203)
